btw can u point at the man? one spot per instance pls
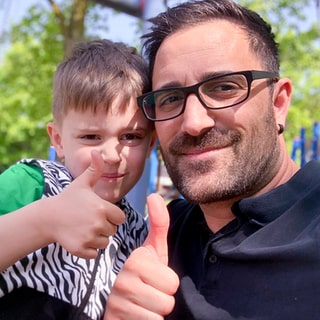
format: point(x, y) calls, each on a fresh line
point(245, 242)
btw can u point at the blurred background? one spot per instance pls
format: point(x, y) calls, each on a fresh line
point(35, 35)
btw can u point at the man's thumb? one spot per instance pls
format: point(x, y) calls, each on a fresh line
point(93, 173)
point(159, 224)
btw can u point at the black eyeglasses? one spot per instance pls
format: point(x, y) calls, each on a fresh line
point(218, 92)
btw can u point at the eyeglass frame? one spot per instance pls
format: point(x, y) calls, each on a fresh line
point(250, 76)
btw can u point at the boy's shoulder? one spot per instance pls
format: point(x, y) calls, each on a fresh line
point(44, 165)
point(50, 169)
point(20, 185)
point(56, 175)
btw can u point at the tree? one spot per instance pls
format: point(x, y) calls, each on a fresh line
point(299, 57)
point(71, 22)
point(26, 87)
point(39, 43)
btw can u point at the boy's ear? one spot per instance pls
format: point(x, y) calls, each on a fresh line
point(152, 143)
point(55, 138)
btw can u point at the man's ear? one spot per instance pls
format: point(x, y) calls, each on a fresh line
point(281, 99)
point(55, 138)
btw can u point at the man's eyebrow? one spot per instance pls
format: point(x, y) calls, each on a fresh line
point(205, 76)
point(208, 75)
point(169, 85)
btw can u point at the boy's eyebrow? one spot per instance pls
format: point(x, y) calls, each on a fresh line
point(91, 128)
point(146, 127)
point(127, 127)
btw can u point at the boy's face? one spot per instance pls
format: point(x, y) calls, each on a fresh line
point(124, 140)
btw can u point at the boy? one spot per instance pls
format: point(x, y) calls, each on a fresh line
point(97, 124)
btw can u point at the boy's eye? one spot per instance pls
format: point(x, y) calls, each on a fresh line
point(130, 136)
point(90, 137)
point(131, 139)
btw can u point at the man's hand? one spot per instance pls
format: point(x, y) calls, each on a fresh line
point(82, 221)
point(145, 287)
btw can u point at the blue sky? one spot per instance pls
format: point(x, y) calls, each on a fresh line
point(121, 26)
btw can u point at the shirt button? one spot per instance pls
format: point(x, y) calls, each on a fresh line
point(213, 258)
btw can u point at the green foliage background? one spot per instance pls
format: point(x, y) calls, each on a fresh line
point(25, 87)
point(37, 47)
point(299, 57)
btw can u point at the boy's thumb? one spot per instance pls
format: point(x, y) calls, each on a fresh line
point(93, 173)
point(158, 226)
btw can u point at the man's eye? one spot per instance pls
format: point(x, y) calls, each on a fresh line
point(221, 87)
point(226, 87)
point(169, 98)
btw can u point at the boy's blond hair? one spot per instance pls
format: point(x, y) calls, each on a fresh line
point(96, 74)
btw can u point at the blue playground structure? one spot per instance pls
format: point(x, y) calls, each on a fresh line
point(307, 149)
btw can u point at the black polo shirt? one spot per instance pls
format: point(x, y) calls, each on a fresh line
point(265, 264)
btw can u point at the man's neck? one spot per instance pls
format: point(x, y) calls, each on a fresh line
point(217, 214)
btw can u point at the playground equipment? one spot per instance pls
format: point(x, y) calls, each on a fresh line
point(308, 149)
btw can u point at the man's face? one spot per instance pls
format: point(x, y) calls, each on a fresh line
point(216, 155)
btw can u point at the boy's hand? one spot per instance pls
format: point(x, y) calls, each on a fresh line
point(145, 287)
point(82, 222)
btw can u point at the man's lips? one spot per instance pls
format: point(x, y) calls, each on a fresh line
point(199, 151)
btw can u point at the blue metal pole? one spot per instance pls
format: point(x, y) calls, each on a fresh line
point(315, 140)
point(52, 153)
point(295, 148)
point(302, 146)
point(137, 196)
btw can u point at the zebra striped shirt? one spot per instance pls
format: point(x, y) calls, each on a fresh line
point(83, 283)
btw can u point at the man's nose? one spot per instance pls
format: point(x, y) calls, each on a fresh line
point(196, 118)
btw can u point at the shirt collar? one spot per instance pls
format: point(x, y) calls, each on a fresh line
point(269, 206)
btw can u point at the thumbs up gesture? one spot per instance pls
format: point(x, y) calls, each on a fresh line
point(145, 287)
point(79, 219)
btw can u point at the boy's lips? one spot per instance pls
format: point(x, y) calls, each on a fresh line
point(112, 175)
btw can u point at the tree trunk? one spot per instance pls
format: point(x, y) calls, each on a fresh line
point(72, 27)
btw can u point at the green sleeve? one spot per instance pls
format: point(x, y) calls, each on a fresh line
point(20, 185)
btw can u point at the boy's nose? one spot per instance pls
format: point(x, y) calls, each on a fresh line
point(111, 152)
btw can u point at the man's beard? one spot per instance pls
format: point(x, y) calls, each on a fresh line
point(250, 165)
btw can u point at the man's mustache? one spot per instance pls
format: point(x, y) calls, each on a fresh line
point(213, 139)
